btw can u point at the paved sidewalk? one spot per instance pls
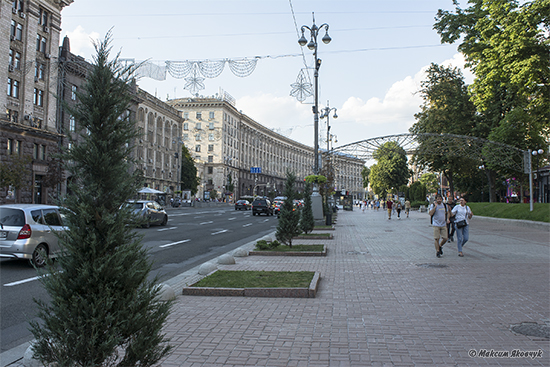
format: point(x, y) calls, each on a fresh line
point(384, 300)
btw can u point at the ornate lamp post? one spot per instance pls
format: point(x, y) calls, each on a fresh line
point(532, 153)
point(312, 45)
point(326, 113)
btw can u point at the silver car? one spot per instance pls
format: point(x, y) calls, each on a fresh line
point(27, 231)
point(151, 211)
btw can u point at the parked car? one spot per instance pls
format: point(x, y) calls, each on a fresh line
point(262, 206)
point(150, 211)
point(242, 205)
point(27, 231)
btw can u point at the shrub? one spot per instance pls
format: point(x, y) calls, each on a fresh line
point(262, 245)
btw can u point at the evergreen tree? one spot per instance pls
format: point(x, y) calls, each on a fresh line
point(288, 226)
point(189, 178)
point(103, 310)
point(307, 222)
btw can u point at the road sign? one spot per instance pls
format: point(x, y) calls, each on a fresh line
point(255, 169)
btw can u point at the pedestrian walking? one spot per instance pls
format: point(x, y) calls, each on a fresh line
point(407, 207)
point(451, 225)
point(462, 214)
point(440, 217)
point(389, 205)
point(398, 210)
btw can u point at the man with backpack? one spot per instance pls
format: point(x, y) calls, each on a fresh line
point(439, 217)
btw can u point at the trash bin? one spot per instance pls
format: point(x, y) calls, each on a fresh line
point(328, 218)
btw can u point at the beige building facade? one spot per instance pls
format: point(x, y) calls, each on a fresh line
point(227, 143)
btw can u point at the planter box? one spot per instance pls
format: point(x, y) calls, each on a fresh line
point(309, 292)
point(289, 253)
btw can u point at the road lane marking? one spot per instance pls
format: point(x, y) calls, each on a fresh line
point(166, 229)
point(246, 225)
point(265, 220)
point(232, 218)
point(209, 222)
point(174, 243)
point(25, 280)
point(222, 231)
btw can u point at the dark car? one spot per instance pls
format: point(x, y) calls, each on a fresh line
point(150, 211)
point(27, 231)
point(242, 205)
point(262, 206)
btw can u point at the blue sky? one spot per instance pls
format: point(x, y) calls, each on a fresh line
point(370, 71)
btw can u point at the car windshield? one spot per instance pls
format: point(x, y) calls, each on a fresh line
point(135, 206)
point(12, 217)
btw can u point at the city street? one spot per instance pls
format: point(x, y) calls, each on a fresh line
point(191, 237)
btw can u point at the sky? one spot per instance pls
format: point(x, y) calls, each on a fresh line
point(371, 70)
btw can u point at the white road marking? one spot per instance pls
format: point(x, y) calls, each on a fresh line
point(24, 281)
point(246, 225)
point(166, 229)
point(231, 218)
point(174, 243)
point(206, 222)
point(265, 220)
point(222, 231)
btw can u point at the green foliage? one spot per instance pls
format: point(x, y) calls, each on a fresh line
point(102, 309)
point(16, 172)
point(416, 204)
point(262, 245)
point(417, 191)
point(189, 178)
point(318, 179)
point(430, 181)
point(230, 187)
point(391, 169)
point(365, 173)
point(288, 226)
point(256, 279)
point(307, 222)
point(213, 194)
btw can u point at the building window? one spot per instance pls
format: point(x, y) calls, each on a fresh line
point(73, 92)
point(14, 147)
point(197, 148)
point(43, 17)
point(39, 152)
point(38, 97)
point(72, 124)
point(211, 137)
point(198, 137)
point(13, 88)
point(211, 126)
point(210, 170)
point(185, 137)
point(18, 5)
point(210, 159)
point(15, 59)
point(199, 115)
point(186, 115)
point(210, 147)
point(19, 32)
point(211, 115)
point(39, 71)
point(210, 182)
point(198, 126)
point(185, 126)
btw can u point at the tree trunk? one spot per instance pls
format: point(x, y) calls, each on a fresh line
point(449, 176)
point(491, 183)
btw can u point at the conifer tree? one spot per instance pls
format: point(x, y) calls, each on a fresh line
point(103, 309)
point(288, 226)
point(307, 222)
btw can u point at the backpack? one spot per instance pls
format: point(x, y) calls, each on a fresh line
point(432, 216)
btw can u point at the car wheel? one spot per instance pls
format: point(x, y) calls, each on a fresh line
point(164, 221)
point(39, 255)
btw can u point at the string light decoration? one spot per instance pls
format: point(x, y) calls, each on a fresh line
point(302, 88)
point(195, 72)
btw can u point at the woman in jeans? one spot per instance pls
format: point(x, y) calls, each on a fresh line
point(462, 212)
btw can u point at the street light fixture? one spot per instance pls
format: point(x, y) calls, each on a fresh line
point(312, 45)
point(326, 113)
point(532, 153)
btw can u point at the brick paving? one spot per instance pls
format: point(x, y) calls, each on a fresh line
point(384, 300)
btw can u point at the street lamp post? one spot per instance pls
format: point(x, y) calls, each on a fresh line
point(534, 153)
point(326, 113)
point(312, 45)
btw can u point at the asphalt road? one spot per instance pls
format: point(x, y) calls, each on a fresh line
point(191, 237)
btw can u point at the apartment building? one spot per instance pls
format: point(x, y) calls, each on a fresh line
point(29, 42)
point(226, 142)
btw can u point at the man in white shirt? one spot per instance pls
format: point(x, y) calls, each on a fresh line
point(440, 218)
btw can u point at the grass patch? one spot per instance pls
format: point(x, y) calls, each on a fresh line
point(540, 213)
point(297, 248)
point(257, 279)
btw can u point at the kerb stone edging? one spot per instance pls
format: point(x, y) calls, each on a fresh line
point(290, 253)
point(309, 292)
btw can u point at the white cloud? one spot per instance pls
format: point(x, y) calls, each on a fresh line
point(82, 42)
